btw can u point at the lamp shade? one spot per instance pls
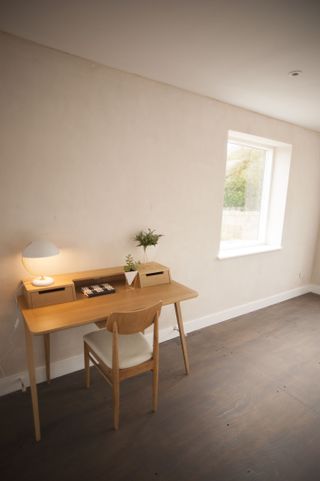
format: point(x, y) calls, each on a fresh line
point(40, 248)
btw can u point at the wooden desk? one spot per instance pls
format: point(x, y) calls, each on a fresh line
point(49, 319)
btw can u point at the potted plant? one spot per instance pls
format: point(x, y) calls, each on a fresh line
point(130, 269)
point(147, 238)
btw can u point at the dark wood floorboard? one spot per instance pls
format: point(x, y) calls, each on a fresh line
point(250, 410)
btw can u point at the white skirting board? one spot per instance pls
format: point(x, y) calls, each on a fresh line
point(65, 366)
point(315, 288)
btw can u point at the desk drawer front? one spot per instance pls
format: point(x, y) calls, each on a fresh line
point(52, 296)
point(154, 278)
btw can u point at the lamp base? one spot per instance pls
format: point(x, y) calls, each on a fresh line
point(42, 281)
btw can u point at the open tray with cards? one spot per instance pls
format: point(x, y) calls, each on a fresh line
point(98, 290)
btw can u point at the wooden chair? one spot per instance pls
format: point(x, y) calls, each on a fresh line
point(121, 351)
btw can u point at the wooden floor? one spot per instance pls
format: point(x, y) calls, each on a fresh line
point(250, 410)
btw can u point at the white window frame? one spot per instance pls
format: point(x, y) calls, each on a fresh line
point(273, 200)
point(265, 197)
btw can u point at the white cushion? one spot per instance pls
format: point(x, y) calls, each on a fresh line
point(133, 348)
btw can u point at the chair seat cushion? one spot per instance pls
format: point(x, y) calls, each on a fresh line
point(134, 349)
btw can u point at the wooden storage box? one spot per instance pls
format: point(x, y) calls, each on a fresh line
point(153, 274)
point(39, 297)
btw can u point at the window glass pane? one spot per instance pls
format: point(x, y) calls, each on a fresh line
point(243, 193)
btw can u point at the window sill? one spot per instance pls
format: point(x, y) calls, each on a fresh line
point(247, 251)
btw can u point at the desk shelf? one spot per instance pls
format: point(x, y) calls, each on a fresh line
point(67, 287)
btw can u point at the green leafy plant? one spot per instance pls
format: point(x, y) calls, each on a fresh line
point(131, 264)
point(243, 184)
point(146, 238)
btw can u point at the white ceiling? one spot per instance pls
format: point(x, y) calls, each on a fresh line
point(237, 51)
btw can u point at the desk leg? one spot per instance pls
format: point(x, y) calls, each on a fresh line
point(33, 383)
point(46, 338)
point(182, 336)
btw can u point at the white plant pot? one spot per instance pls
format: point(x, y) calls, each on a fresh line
point(130, 276)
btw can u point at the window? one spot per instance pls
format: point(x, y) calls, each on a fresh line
point(255, 190)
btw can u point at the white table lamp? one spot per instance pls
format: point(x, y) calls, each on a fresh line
point(40, 249)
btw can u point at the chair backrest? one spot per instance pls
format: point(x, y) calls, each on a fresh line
point(134, 321)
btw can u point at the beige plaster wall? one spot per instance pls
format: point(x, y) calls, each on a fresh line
point(89, 155)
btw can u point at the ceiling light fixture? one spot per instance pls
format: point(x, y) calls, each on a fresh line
point(295, 73)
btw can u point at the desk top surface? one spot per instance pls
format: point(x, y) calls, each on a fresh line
point(56, 317)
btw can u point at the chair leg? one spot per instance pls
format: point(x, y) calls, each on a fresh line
point(86, 365)
point(155, 388)
point(116, 401)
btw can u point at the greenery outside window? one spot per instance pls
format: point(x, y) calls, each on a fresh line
point(251, 193)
